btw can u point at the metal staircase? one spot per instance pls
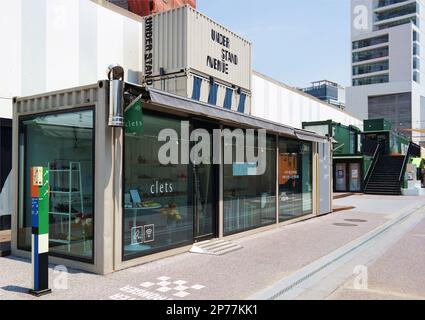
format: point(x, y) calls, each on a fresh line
point(387, 172)
point(385, 177)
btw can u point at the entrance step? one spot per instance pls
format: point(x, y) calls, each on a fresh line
point(215, 247)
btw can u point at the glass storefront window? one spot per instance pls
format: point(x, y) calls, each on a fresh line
point(64, 143)
point(295, 179)
point(157, 211)
point(250, 200)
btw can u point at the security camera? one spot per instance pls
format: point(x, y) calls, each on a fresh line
point(115, 72)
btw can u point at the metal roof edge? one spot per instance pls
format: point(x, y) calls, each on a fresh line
point(56, 92)
point(231, 112)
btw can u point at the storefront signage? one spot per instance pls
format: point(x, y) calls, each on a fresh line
point(136, 235)
point(161, 188)
point(149, 49)
point(227, 57)
point(133, 118)
point(193, 45)
point(143, 234)
point(149, 233)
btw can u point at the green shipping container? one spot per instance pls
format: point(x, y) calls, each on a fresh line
point(377, 125)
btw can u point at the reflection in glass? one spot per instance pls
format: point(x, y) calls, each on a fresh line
point(341, 177)
point(355, 177)
point(250, 199)
point(204, 196)
point(157, 211)
point(63, 143)
point(295, 179)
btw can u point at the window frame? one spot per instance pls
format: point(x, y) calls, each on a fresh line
point(124, 258)
point(21, 200)
point(310, 143)
point(275, 180)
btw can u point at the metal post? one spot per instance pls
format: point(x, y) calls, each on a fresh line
point(277, 181)
point(221, 189)
point(40, 230)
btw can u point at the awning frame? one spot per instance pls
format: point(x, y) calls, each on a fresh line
point(177, 103)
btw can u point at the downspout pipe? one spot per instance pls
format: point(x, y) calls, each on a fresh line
point(116, 96)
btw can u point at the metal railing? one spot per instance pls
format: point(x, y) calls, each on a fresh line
point(414, 150)
point(373, 164)
point(384, 3)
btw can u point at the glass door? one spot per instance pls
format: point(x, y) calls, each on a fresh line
point(383, 140)
point(204, 177)
point(355, 177)
point(341, 177)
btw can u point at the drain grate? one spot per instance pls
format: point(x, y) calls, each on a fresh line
point(345, 225)
point(356, 220)
point(292, 282)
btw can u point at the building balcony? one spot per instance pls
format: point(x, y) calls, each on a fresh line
point(369, 75)
point(394, 22)
point(370, 43)
point(376, 79)
point(368, 55)
point(390, 4)
point(397, 12)
point(370, 69)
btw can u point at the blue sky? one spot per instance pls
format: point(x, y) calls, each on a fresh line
point(294, 41)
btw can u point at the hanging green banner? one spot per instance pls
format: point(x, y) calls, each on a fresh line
point(133, 117)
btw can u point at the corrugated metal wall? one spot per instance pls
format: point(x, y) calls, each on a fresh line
point(169, 41)
point(182, 40)
point(201, 45)
point(61, 99)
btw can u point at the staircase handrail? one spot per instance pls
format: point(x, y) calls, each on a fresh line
point(406, 159)
point(373, 165)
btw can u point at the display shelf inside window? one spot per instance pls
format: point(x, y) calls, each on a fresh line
point(71, 209)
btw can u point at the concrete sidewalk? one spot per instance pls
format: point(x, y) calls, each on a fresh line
point(398, 274)
point(265, 258)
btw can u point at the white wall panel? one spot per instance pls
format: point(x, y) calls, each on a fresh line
point(10, 35)
point(55, 44)
point(62, 44)
point(277, 102)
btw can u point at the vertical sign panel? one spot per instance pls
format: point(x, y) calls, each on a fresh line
point(40, 230)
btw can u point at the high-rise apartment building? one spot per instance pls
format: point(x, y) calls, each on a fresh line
point(388, 78)
point(327, 91)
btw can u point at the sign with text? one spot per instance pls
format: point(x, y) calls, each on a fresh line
point(40, 200)
point(203, 45)
point(133, 118)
